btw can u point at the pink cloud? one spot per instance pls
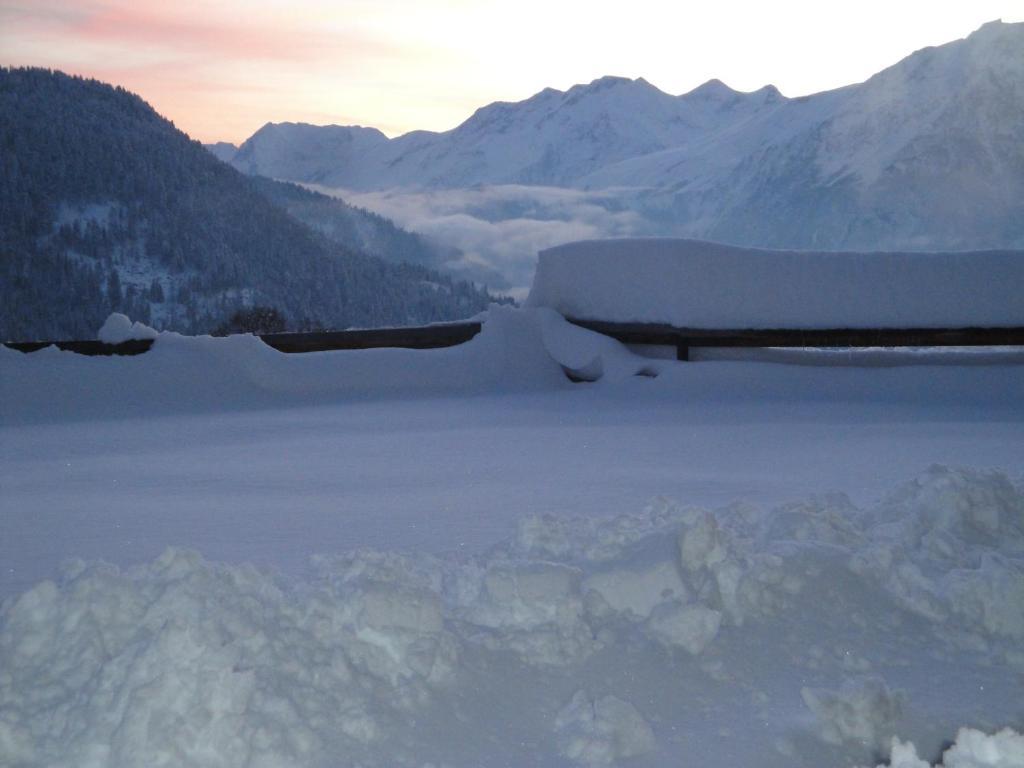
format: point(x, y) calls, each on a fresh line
point(228, 31)
point(153, 26)
point(219, 70)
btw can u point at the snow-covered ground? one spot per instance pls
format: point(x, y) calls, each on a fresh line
point(217, 555)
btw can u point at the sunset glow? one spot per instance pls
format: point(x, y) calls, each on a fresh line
point(220, 70)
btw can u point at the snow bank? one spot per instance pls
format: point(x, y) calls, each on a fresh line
point(689, 283)
point(187, 373)
point(518, 350)
point(592, 640)
point(118, 328)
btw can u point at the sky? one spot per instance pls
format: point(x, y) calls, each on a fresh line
point(220, 70)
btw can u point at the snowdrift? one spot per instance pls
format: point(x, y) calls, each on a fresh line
point(517, 351)
point(783, 637)
point(195, 373)
point(695, 284)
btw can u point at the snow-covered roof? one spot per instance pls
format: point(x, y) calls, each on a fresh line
point(695, 284)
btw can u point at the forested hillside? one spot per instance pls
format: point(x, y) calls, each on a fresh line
point(354, 227)
point(105, 205)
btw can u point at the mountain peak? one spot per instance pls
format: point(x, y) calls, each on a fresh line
point(608, 82)
point(713, 89)
point(769, 93)
point(999, 39)
point(606, 85)
point(997, 27)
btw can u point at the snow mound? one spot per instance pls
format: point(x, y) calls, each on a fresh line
point(118, 328)
point(182, 660)
point(972, 749)
point(695, 284)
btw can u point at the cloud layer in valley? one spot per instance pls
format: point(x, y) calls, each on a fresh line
point(500, 229)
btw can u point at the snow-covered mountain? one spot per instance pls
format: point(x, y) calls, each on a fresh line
point(554, 138)
point(301, 152)
point(928, 153)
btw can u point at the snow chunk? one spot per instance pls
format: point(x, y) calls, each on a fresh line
point(863, 711)
point(601, 732)
point(972, 749)
point(119, 328)
point(595, 540)
point(904, 755)
point(637, 590)
point(725, 571)
point(691, 627)
point(533, 609)
point(702, 544)
point(950, 544)
point(695, 284)
point(975, 508)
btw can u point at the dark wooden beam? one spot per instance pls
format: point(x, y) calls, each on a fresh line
point(132, 347)
point(681, 338)
point(420, 337)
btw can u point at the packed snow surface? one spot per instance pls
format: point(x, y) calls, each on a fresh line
point(696, 284)
point(214, 554)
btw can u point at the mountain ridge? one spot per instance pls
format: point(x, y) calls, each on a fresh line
point(316, 152)
point(927, 153)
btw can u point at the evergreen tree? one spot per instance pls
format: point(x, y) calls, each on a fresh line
point(114, 296)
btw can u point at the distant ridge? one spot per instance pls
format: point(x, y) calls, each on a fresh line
point(222, 150)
